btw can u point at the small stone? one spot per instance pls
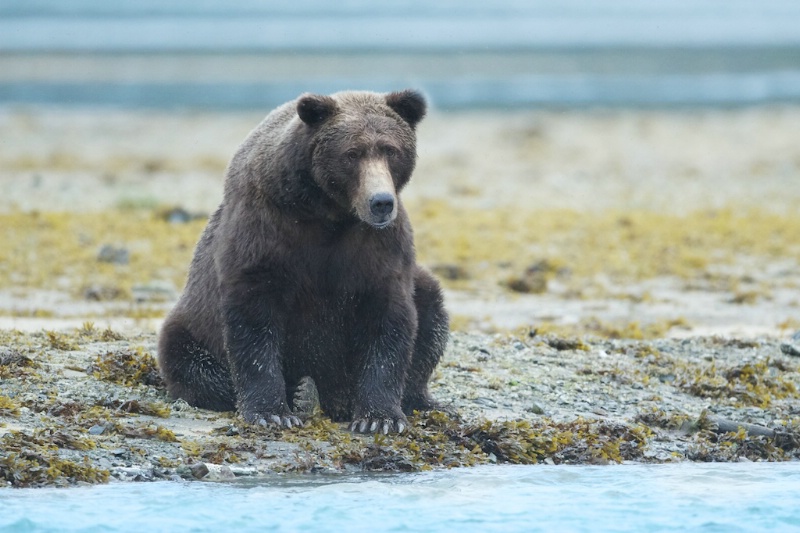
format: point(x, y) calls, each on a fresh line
point(791, 349)
point(177, 215)
point(599, 411)
point(102, 293)
point(219, 473)
point(536, 409)
point(111, 254)
point(155, 291)
point(450, 271)
point(119, 452)
point(486, 402)
point(97, 430)
point(240, 471)
point(199, 470)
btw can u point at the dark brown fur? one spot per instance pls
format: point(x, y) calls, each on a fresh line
point(300, 272)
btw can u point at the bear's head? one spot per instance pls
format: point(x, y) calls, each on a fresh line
point(363, 148)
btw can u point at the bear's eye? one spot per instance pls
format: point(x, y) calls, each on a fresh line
point(389, 151)
point(352, 155)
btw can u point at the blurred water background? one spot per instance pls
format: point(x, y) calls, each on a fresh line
point(462, 53)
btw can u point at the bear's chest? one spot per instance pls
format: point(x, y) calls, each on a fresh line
point(339, 265)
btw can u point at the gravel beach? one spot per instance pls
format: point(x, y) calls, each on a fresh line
point(624, 286)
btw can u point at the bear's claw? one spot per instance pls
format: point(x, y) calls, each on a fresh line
point(287, 421)
point(374, 425)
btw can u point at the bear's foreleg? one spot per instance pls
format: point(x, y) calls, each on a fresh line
point(384, 342)
point(252, 342)
point(433, 328)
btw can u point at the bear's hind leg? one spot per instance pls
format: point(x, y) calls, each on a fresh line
point(432, 333)
point(191, 372)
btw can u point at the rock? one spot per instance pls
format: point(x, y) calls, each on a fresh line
point(179, 215)
point(112, 254)
point(791, 349)
point(536, 409)
point(240, 471)
point(219, 473)
point(131, 471)
point(155, 291)
point(486, 402)
point(450, 271)
point(97, 430)
point(535, 278)
point(199, 470)
point(102, 293)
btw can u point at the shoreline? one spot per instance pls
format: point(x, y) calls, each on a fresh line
point(87, 406)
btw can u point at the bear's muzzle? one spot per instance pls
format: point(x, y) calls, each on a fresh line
point(376, 201)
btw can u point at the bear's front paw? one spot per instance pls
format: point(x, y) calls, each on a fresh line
point(385, 425)
point(266, 419)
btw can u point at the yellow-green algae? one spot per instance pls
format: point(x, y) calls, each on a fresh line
point(511, 248)
point(126, 367)
point(620, 244)
point(60, 250)
point(33, 460)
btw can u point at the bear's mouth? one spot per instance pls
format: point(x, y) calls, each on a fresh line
point(381, 225)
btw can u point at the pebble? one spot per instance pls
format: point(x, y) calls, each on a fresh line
point(112, 254)
point(155, 291)
point(487, 402)
point(199, 470)
point(536, 409)
point(791, 348)
point(219, 472)
point(239, 471)
point(97, 430)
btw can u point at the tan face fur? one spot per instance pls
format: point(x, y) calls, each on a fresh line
point(377, 187)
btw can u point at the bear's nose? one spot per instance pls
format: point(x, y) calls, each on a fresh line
point(381, 204)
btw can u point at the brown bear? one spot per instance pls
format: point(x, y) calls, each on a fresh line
point(308, 268)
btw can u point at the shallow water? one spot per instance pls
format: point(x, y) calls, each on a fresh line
point(707, 497)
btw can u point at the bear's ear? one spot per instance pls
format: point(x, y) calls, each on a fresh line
point(314, 109)
point(410, 105)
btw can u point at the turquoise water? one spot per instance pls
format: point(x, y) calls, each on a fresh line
point(684, 497)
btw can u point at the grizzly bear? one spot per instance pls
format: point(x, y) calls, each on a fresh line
point(308, 268)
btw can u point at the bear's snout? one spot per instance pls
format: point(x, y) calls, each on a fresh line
point(381, 205)
point(376, 201)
